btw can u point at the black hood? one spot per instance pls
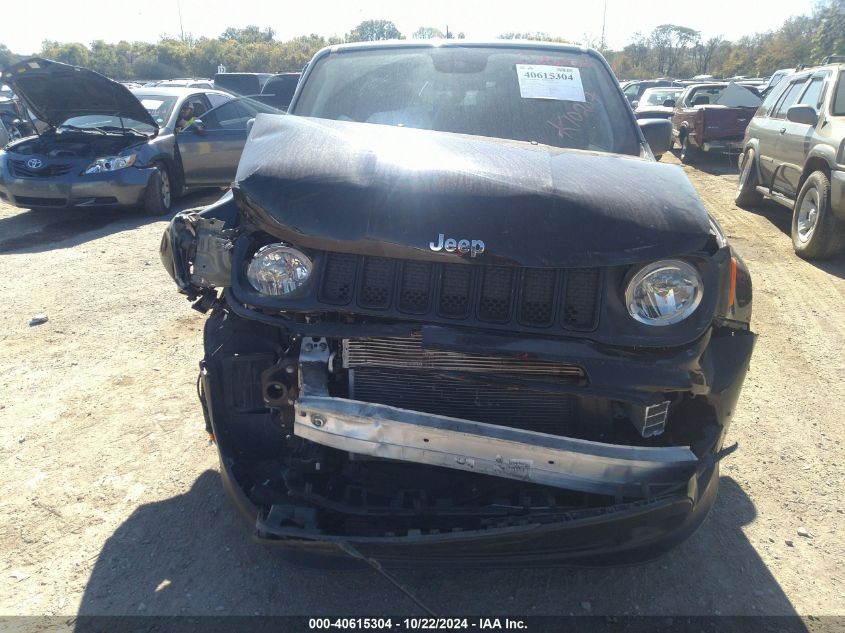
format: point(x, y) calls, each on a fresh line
point(56, 92)
point(379, 190)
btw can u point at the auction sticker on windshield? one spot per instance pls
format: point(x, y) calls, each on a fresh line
point(562, 83)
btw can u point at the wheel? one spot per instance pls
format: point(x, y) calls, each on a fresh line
point(158, 196)
point(688, 152)
point(658, 157)
point(816, 232)
point(746, 193)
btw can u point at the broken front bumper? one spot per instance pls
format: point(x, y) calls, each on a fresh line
point(621, 534)
point(389, 432)
point(656, 496)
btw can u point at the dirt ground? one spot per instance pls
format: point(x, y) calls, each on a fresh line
point(110, 499)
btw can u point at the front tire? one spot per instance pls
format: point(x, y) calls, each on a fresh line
point(159, 195)
point(688, 152)
point(747, 195)
point(816, 232)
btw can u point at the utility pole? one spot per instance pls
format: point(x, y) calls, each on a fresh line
point(181, 28)
point(603, 22)
point(447, 32)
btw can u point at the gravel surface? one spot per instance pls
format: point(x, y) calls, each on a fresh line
point(110, 498)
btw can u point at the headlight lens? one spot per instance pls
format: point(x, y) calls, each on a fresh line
point(110, 163)
point(664, 292)
point(278, 269)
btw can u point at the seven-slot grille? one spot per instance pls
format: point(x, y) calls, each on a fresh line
point(24, 171)
point(521, 297)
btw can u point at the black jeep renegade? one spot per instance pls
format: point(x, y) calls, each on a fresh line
point(459, 313)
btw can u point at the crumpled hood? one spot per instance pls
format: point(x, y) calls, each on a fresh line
point(379, 190)
point(56, 92)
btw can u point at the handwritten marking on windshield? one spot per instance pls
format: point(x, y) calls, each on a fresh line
point(569, 123)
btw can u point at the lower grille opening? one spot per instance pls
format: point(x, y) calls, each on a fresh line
point(40, 202)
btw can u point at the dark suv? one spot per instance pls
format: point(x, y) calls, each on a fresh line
point(794, 154)
point(506, 335)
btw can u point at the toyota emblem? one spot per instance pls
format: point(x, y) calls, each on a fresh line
point(34, 163)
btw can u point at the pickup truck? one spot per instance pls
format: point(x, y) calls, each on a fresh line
point(712, 117)
point(459, 315)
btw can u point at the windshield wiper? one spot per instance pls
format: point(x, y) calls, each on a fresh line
point(125, 129)
point(82, 129)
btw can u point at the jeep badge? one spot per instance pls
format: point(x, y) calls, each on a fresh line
point(473, 247)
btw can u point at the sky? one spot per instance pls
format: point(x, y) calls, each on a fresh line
point(147, 20)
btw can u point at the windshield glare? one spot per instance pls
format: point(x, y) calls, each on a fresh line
point(159, 106)
point(559, 98)
point(657, 97)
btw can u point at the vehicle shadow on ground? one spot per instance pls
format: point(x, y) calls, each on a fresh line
point(39, 230)
point(192, 555)
point(778, 215)
point(713, 164)
point(781, 218)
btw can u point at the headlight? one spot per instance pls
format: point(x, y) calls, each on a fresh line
point(110, 163)
point(664, 292)
point(278, 269)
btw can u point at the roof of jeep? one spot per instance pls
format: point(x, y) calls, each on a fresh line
point(442, 43)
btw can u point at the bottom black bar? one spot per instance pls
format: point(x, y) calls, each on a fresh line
point(538, 624)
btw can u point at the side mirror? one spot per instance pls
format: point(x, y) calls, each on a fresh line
point(669, 103)
point(249, 125)
point(634, 104)
point(198, 127)
point(658, 134)
point(802, 114)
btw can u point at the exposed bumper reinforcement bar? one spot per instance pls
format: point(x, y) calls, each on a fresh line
point(573, 464)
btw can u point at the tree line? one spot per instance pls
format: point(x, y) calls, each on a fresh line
point(669, 50)
point(672, 50)
point(249, 49)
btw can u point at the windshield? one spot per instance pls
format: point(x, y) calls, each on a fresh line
point(656, 96)
point(559, 98)
point(108, 123)
point(706, 95)
point(159, 107)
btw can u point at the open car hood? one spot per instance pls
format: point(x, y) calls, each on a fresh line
point(390, 191)
point(56, 92)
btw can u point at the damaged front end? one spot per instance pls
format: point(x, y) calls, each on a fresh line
point(427, 409)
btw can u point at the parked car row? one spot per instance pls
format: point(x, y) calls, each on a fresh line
point(789, 132)
point(273, 89)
